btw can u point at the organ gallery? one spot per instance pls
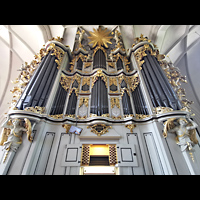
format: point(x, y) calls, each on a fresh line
point(99, 109)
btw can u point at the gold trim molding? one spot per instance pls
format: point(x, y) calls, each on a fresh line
point(99, 129)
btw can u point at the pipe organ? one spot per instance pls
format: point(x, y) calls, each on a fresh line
point(125, 99)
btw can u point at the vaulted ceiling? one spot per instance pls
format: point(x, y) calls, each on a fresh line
point(19, 44)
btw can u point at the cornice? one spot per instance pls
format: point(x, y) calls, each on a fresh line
point(59, 44)
point(90, 120)
point(95, 71)
point(140, 44)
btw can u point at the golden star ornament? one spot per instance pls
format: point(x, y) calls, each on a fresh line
point(100, 37)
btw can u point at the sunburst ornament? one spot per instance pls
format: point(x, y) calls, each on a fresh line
point(100, 37)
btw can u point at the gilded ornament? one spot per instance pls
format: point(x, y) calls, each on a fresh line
point(185, 130)
point(117, 118)
point(130, 115)
point(133, 81)
point(97, 48)
point(58, 38)
point(59, 116)
point(65, 81)
point(130, 127)
point(99, 129)
point(140, 39)
point(98, 74)
point(11, 139)
point(161, 110)
point(121, 78)
point(83, 100)
point(86, 80)
point(105, 115)
point(100, 37)
point(123, 90)
point(87, 64)
point(111, 64)
point(67, 127)
point(70, 116)
point(79, 117)
point(141, 116)
point(112, 81)
point(114, 101)
point(35, 109)
point(80, 33)
point(78, 79)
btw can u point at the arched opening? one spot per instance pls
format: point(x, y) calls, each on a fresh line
point(99, 60)
point(79, 64)
point(119, 64)
point(99, 98)
point(71, 108)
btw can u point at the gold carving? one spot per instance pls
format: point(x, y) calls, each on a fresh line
point(87, 64)
point(71, 116)
point(83, 100)
point(121, 78)
point(79, 117)
point(80, 33)
point(113, 81)
point(67, 127)
point(97, 48)
point(114, 101)
point(65, 82)
point(141, 116)
point(99, 129)
point(60, 116)
point(131, 127)
point(105, 115)
point(140, 39)
point(72, 63)
point(86, 81)
point(78, 79)
point(161, 110)
point(123, 90)
point(116, 118)
point(111, 64)
point(35, 109)
point(95, 115)
point(100, 37)
point(98, 74)
point(130, 115)
point(133, 81)
point(59, 39)
point(58, 52)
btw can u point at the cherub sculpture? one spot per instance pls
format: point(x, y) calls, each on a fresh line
point(11, 136)
point(185, 131)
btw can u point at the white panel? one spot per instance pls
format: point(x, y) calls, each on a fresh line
point(71, 155)
point(126, 155)
point(59, 170)
point(44, 154)
point(153, 153)
point(133, 140)
point(21, 155)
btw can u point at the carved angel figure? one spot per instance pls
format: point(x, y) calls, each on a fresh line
point(11, 136)
point(185, 131)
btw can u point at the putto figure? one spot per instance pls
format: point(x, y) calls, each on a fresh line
point(11, 136)
point(185, 131)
